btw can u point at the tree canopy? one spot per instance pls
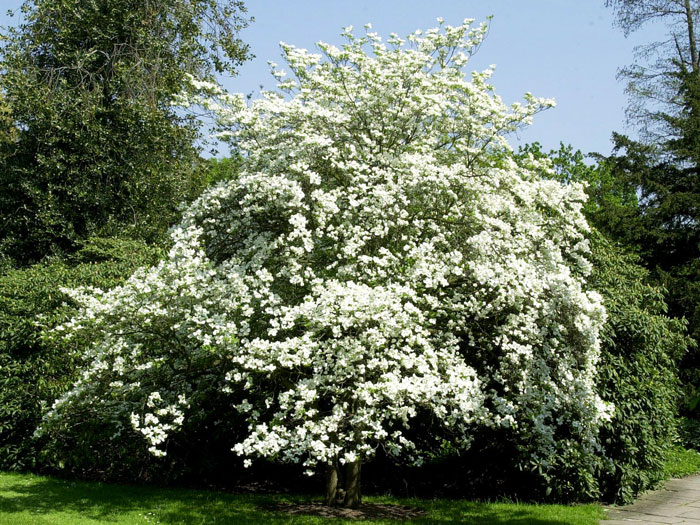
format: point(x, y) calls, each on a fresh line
point(95, 144)
point(654, 81)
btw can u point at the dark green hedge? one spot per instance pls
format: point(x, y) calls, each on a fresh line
point(637, 372)
point(33, 370)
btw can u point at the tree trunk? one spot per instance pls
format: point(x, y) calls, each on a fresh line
point(352, 485)
point(331, 485)
point(694, 62)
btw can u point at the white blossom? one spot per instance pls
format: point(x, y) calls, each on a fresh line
point(382, 256)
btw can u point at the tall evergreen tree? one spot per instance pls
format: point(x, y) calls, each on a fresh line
point(664, 165)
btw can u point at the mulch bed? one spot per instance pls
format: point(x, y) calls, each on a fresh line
point(364, 512)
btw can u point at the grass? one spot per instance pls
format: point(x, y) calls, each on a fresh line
point(682, 462)
point(28, 499)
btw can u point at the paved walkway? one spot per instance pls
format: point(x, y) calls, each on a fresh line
point(677, 502)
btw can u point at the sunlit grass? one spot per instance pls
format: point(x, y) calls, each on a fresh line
point(682, 462)
point(36, 500)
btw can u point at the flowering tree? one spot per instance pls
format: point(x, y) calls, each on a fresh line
point(382, 257)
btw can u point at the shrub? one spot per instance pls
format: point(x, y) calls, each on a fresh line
point(637, 373)
point(34, 371)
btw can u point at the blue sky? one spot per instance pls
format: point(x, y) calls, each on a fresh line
point(565, 49)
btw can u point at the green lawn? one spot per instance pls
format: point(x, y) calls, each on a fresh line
point(27, 499)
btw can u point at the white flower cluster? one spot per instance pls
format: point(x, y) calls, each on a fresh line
point(382, 265)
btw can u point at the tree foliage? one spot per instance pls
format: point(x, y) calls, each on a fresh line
point(664, 166)
point(98, 146)
point(384, 272)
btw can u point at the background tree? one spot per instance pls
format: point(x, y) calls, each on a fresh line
point(99, 148)
point(653, 81)
point(7, 129)
point(664, 166)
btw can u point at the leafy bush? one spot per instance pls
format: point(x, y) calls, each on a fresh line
point(637, 373)
point(34, 371)
point(641, 343)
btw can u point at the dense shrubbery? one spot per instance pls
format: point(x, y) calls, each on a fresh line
point(34, 371)
point(637, 373)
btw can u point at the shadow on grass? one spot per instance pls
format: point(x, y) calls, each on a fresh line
point(113, 503)
point(441, 512)
point(57, 500)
